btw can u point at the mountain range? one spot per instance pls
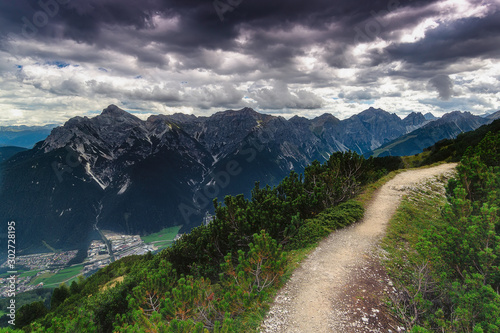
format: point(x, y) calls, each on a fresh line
point(446, 127)
point(23, 136)
point(118, 172)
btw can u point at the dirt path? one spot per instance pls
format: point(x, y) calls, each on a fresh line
point(339, 287)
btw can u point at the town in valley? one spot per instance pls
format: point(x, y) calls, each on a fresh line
point(49, 270)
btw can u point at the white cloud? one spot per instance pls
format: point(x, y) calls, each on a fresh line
point(279, 96)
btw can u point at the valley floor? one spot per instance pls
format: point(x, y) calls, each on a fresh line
point(341, 286)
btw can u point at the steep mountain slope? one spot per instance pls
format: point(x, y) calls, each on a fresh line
point(364, 131)
point(414, 121)
point(493, 116)
point(8, 151)
point(452, 150)
point(429, 116)
point(447, 127)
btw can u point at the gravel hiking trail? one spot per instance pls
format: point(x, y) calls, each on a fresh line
point(341, 285)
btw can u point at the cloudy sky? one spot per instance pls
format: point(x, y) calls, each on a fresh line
point(61, 58)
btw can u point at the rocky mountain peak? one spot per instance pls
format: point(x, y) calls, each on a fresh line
point(378, 115)
point(249, 111)
point(243, 114)
point(116, 114)
point(456, 115)
point(326, 118)
point(414, 119)
point(109, 129)
point(429, 116)
point(372, 110)
point(113, 110)
point(465, 120)
point(299, 120)
point(179, 118)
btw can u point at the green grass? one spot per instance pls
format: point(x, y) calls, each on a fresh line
point(42, 278)
point(53, 280)
point(167, 234)
point(75, 278)
point(64, 275)
point(164, 244)
point(29, 273)
point(418, 212)
point(415, 161)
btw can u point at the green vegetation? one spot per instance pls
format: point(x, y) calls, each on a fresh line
point(416, 161)
point(37, 295)
point(220, 277)
point(66, 275)
point(30, 312)
point(444, 250)
point(167, 234)
point(42, 277)
point(20, 271)
point(28, 273)
point(163, 238)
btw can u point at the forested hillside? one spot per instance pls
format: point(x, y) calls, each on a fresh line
point(452, 150)
point(218, 277)
point(446, 259)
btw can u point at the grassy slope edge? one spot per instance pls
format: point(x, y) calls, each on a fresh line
point(444, 249)
point(419, 211)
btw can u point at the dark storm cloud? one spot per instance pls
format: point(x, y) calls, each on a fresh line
point(68, 87)
point(464, 38)
point(200, 27)
point(443, 85)
point(265, 24)
point(280, 97)
point(358, 95)
point(336, 26)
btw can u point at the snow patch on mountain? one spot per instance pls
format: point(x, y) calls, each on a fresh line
point(91, 174)
point(124, 186)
